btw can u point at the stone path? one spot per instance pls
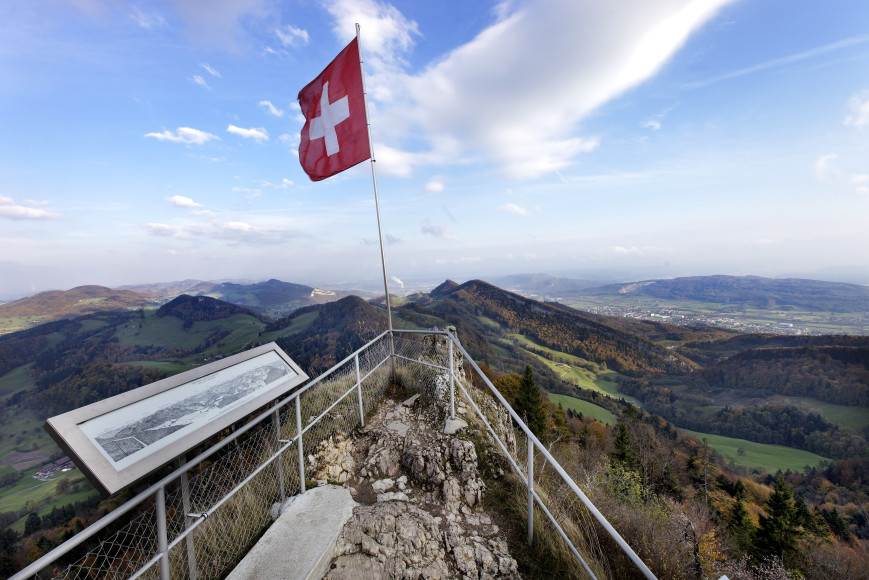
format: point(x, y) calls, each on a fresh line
point(419, 490)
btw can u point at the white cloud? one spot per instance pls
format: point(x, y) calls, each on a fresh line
point(860, 181)
point(211, 70)
point(159, 229)
point(513, 208)
point(268, 106)
point(824, 167)
point(257, 134)
point(200, 81)
point(437, 231)
point(11, 210)
point(653, 125)
point(386, 33)
point(292, 36)
point(284, 184)
point(184, 135)
point(181, 201)
point(859, 116)
point(435, 184)
point(518, 91)
point(145, 20)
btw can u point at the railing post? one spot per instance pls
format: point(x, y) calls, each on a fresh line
point(162, 534)
point(359, 391)
point(276, 421)
point(530, 470)
point(192, 569)
point(299, 442)
point(452, 381)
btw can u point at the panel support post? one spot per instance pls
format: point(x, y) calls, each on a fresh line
point(162, 534)
point(299, 442)
point(192, 569)
point(276, 421)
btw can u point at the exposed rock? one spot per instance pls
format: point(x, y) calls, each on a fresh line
point(433, 526)
point(333, 461)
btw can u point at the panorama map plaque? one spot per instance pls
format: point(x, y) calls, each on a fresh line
point(120, 440)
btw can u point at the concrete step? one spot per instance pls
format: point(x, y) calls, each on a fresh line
point(300, 544)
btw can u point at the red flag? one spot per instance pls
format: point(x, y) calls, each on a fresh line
point(335, 135)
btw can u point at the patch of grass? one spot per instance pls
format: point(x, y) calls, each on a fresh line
point(15, 323)
point(856, 418)
point(165, 331)
point(759, 455)
point(586, 408)
point(299, 324)
point(14, 381)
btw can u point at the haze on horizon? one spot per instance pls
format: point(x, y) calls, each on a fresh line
point(157, 142)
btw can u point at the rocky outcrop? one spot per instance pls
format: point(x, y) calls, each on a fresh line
point(420, 490)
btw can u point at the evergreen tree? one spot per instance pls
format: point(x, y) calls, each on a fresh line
point(780, 527)
point(529, 405)
point(740, 526)
point(622, 451)
point(32, 524)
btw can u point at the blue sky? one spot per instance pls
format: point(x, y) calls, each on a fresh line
point(156, 141)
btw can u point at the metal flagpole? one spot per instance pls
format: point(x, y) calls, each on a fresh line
point(377, 204)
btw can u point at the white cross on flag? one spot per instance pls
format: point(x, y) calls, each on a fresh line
point(335, 135)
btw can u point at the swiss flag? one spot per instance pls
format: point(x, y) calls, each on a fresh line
point(335, 135)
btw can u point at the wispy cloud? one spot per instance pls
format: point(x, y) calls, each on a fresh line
point(146, 20)
point(258, 134)
point(779, 62)
point(468, 101)
point(437, 231)
point(652, 124)
point(200, 81)
point(823, 165)
point(284, 184)
point(859, 105)
point(272, 110)
point(181, 201)
point(291, 36)
point(11, 210)
point(435, 184)
point(211, 70)
point(514, 209)
point(185, 135)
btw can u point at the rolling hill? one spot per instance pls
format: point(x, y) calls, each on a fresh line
point(749, 290)
point(60, 304)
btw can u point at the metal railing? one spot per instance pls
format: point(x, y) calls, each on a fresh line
point(201, 518)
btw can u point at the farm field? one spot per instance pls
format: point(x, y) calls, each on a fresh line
point(586, 408)
point(759, 456)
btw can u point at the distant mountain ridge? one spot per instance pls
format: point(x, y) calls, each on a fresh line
point(750, 290)
point(59, 304)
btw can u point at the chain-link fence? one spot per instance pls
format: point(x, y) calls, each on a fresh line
point(200, 520)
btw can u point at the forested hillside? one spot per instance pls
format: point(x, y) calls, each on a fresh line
point(800, 392)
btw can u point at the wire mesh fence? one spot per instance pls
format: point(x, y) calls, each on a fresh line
point(200, 520)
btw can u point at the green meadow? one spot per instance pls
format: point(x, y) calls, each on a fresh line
point(759, 456)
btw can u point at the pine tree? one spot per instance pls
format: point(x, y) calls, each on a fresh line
point(622, 451)
point(740, 525)
point(529, 405)
point(780, 527)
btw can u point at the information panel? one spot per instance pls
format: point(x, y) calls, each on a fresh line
point(120, 440)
